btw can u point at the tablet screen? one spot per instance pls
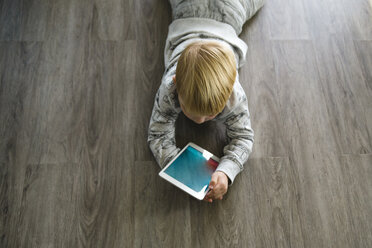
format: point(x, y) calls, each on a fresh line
point(193, 168)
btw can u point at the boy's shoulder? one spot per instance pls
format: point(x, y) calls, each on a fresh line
point(168, 93)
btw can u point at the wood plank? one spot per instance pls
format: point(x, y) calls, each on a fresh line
point(357, 171)
point(364, 53)
point(358, 16)
point(69, 21)
point(152, 23)
point(19, 71)
point(114, 20)
point(306, 135)
point(11, 15)
point(287, 20)
point(325, 18)
point(259, 80)
point(106, 216)
point(166, 221)
point(302, 106)
point(41, 214)
point(34, 19)
point(273, 200)
point(328, 184)
point(23, 20)
point(346, 93)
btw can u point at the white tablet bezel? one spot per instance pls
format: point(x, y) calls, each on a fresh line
point(198, 195)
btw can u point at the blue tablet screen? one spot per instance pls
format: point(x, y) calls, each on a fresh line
point(193, 168)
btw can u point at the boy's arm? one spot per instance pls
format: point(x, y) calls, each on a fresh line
point(161, 132)
point(240, 133)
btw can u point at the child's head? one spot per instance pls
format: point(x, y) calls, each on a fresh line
point(205, 77)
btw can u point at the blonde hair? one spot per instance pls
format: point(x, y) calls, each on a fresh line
point(205, 77)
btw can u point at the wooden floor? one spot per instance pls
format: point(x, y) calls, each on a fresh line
point(78, 80)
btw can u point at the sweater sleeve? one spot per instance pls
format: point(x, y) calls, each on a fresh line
point(161, 131)
point(240, 134)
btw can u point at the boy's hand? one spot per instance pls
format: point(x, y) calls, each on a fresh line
point(218, 186)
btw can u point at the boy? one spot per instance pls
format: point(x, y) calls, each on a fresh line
point(202, 56)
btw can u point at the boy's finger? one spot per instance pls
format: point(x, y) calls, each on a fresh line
point(217, 187)
point(218, 190)
point(213, 181)
point(210, 194)
point(207, 199)
point(215, 196)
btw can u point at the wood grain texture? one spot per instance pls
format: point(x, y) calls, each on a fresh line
point(359, 18)
point(260, 83)
point(166, 221)
point(153, 18)
point(13, 91)
point(346, 92)
point(341, 75)
point(115, 19)
point(287, 20)
point(77, 87)
point(23, 20)
point(303, 111)
point(364, 51)
point(273, 204)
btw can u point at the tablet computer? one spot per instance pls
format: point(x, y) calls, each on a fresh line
point(191, 170)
